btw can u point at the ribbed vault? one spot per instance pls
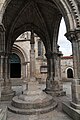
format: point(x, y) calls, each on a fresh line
point(22, 15)
point(43, 16)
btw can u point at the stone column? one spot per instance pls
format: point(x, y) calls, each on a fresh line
point(56, 66)
point(59, 64)
point(1, 67)
point(32, 58)
point(59, 71)
point(2, 49)
point(74, 37)
point(50, 74)
point(28, 71)
point(7, 92)
point(77, 32)
point(24, 76)
point(52, 86)
point(59, 54)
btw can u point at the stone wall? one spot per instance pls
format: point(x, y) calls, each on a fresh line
point(66, 63)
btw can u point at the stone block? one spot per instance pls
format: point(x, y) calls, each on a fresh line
point(73, 113)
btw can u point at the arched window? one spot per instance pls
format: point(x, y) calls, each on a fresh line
point(69, 73)
point(15, 66)
point(39, 48)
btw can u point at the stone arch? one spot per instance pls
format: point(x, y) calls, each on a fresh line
point(70, 13)
point(20, 52)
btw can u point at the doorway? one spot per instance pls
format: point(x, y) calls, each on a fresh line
point(69, 73)
point(15, 66)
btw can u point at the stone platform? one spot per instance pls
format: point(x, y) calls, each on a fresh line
point(32, 101)
point(56, 93)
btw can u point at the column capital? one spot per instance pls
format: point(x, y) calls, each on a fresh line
point(77, 31)
point(71, 35)
point(60, 53)
point(50, 54)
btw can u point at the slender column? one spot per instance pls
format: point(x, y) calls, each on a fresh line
point(59, 65)
point(7, 92)
point(77, 32)
point(56, 65)
point(1, 67)
point(7, 84)
point(60, 54)
point(28, 71)
point(2, 48)
point(32, 58)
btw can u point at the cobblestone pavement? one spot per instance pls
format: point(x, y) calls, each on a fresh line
point(56, 114)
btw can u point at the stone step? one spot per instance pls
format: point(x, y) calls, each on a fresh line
point(7, 97)
point(32, 111)
point(21, 104)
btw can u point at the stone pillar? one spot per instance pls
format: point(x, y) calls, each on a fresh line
point(7, 92)
point(59, 64)
point(59, 54)
point(74, 37)
point(56, 77)
point(53, 86)
point(77, 32)
point(2, 49)
point(50, 74)
point(28, 71)
point(32, 58)
point(24, 76)
point(1, 67)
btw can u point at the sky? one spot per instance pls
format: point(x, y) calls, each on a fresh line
point(65, 45)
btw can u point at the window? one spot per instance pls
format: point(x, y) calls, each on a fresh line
point(39, 48)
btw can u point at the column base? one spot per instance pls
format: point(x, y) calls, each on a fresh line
point(55, 89)
point(7, 96)
point(32, 101)
point(75, 106)
point(55, 93)
point(71, 111)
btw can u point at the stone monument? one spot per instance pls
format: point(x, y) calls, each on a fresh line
point(33, 100)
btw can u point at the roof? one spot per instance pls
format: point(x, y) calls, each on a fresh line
point(67, 57)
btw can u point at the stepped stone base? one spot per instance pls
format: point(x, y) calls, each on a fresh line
point(75, 106)
point(55, 93)
point(7, 96)
point(33, 110)
point(32, 101)
point(73, 113)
